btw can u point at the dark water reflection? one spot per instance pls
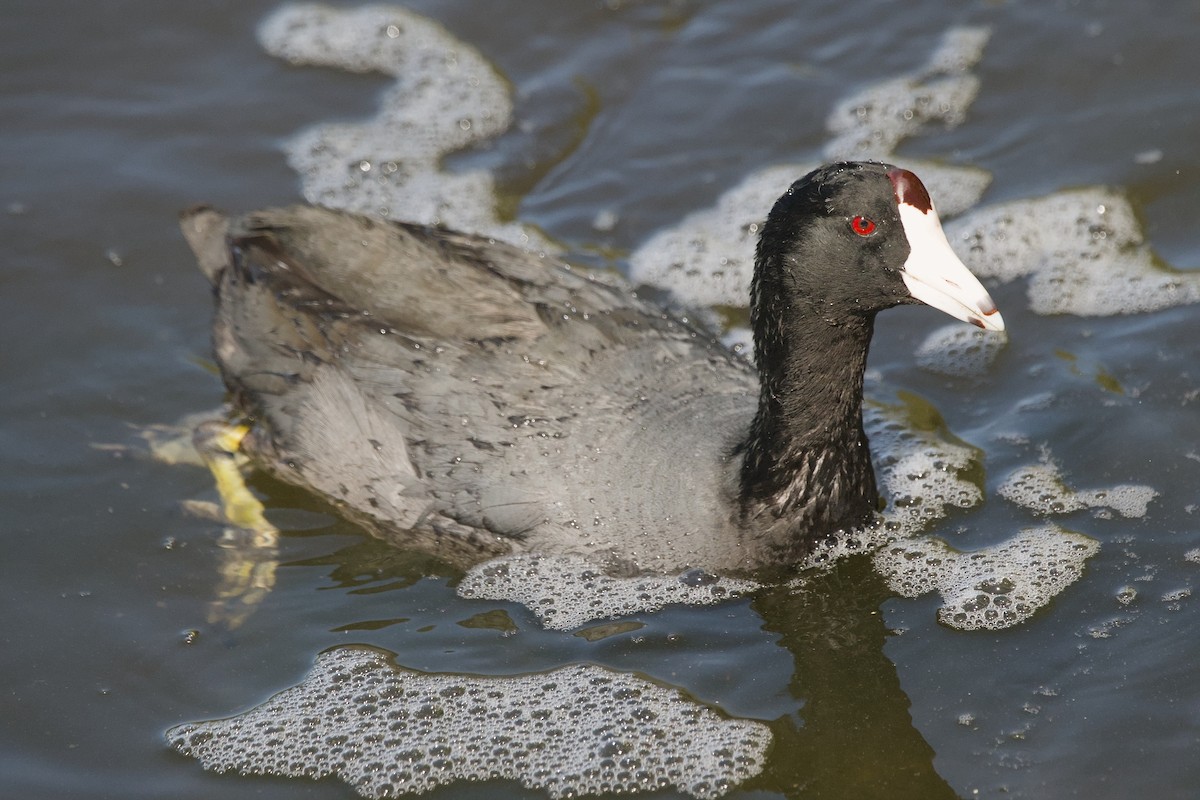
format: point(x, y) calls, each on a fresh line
point(117, 115)
point(854, 735)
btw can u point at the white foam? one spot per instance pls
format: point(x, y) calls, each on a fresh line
point(1082, 251)
point(992, 588)
point(566, 592)
point(871, 123)
point(960, 350)
point(922, 468)
point(708, 258)
point(1040, 488)
point(926, 472)
point(386, 731)
point(447, 97)
point(960, 49)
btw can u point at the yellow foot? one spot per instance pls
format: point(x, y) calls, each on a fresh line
point(218, 445)
point(249, 548)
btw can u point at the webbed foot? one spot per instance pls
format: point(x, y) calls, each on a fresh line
point(249, 547)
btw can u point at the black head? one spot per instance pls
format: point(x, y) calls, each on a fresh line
point(853, 238)
point(834, 243)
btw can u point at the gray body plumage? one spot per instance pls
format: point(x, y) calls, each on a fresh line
point(475, 401)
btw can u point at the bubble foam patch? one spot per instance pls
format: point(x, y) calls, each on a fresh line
point(447, 97)
point(920, 466)
point(1040, 488)
point(1082, 251)
point(708, 258)
point(565, 592)
point(387, 731)
point(960, 350)
point(996, 587)
point(872, 122)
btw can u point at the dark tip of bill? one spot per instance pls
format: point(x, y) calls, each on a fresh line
point(909, 189)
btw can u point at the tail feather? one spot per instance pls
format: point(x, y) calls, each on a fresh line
point(205, 229)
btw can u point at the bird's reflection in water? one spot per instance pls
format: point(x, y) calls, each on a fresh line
point(854, 736)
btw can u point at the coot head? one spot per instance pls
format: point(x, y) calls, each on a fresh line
point(856, 238)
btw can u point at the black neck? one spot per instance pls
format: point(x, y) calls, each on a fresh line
point(806, 471)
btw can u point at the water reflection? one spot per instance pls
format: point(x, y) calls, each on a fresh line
point(854, 736)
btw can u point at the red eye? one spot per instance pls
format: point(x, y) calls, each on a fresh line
point(863, 226)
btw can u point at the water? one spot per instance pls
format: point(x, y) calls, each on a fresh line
point(634, 115)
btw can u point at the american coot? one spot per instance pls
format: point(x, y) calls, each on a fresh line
point(465, 397)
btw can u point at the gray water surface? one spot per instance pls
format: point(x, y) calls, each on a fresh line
point(115, 116)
